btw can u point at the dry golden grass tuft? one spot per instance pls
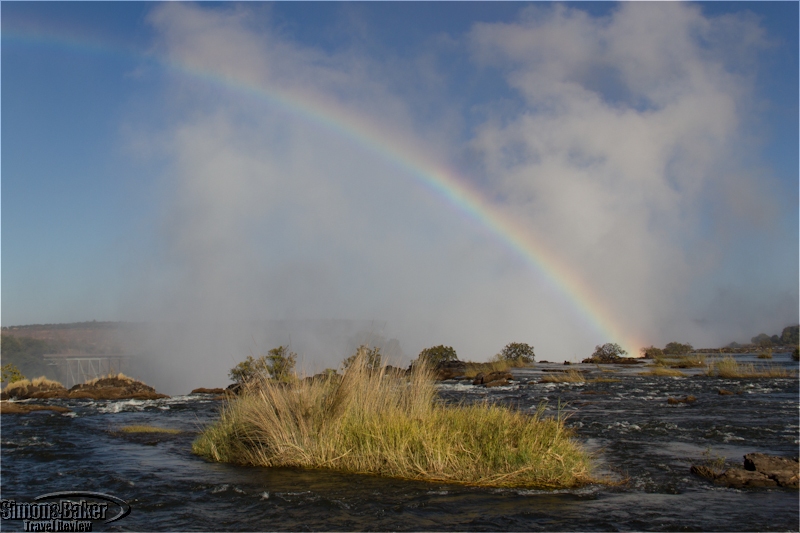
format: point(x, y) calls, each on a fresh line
point(571, 376)
point(41, 381)
point(663, 372)
point(370, 422)
point(729, 367)
point(120, 376)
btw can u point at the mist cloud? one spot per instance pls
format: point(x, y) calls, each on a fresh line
point(623, 153)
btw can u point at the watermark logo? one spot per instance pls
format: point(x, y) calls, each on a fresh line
point(65, 511)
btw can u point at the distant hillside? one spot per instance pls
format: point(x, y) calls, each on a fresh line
point(78, 337)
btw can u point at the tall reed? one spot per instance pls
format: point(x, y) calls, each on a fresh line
point(370, 422)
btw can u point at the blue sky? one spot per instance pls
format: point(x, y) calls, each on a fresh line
point(653, 148)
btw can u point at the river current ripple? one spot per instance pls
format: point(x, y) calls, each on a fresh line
point(628, 424)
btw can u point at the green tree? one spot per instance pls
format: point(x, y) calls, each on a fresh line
point(249, 369)
point(762, 339)
point(651, 352)
point(790, 335)
point(26, 354)
point(10, 374)
point(437, 354)
point(277, 364)
point(371, 356)
point(280, 363)
point(676, 348)
point(609, 349)
point(518, 351)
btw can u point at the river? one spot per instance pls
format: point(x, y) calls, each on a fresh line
point(635, 434)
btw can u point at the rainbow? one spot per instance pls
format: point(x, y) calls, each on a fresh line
point(441, 181)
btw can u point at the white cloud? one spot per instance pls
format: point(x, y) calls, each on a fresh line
point(626, 127)
point(629, 126)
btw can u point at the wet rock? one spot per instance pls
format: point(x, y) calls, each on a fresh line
point(450, 370)
point(44, 390)
point(739, 478)
point(760, 470)
point(676, 401)
point(492, 379)
point(724, 392)
point(203, 390)
point(115, 388)
point(783, 470)
point(13, 408)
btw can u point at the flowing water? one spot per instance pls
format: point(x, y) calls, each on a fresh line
point(628, 424)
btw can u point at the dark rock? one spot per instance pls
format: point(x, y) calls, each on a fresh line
point(740, 478)
point(687, 399)
point(724, 392)
point(115, 388)
point(492, 377)
point(203, 390)
point(567, 363)
point(44, 390)
point(450, 370)
point(760, 470)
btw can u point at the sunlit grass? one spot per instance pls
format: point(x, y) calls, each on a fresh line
point(370, 423)
point(120, 376)
point(571, 376)
point(728, 367)
point(663, 372)
point(684, 361)
point(41, 381)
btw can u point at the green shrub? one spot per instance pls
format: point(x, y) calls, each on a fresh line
point(437, 354)
point(609, 349)
point(676, 348)
point(26, 353)
point(651, 352)
point(277, 364)
point(249, 369)
point(11, 374)
point(790, 335)
point(518, 351)
point(765, 353)
point(371, 356)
